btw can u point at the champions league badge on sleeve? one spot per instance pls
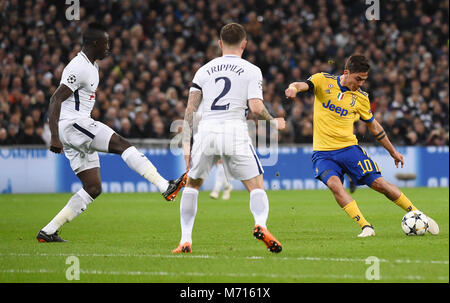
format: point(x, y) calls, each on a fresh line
point(71, 79)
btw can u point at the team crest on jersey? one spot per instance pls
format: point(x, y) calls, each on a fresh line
point(71, 79)
point(330, 85)
point(354, 98)
point(340, 96)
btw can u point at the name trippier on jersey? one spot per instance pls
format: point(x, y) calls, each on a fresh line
point(225, 67)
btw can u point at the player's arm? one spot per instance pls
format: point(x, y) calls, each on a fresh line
point(378, 132)
point(257, 107)
point(54, 110)
point(195, 98)
point(298, 87)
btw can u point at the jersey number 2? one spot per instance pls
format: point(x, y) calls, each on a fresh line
point(226, 89)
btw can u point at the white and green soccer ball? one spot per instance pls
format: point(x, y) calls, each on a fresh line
point(415, 223)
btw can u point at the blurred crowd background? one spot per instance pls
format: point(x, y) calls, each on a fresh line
point(157, 46)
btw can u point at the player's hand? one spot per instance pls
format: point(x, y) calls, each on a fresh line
point(56, 145)
point(281, 123)
point(290, 92)
point(398, 158)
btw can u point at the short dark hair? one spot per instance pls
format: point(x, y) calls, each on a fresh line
point(93, 32)
point(232, 34)
point(357, 64)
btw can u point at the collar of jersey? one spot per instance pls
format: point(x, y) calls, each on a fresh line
point(235, 56)
point(85, 57)
point(343, 88)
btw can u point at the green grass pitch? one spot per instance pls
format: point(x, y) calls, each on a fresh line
point(129, 237)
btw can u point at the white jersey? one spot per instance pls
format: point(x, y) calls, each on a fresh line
point(81, 76)
point(227, 83)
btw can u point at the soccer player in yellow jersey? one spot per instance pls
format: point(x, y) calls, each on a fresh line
point(338, 100)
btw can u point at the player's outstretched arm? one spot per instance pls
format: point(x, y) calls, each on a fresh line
point(61, 93)
point(257, 107)
point(378, 132)
point(296, 87)
point(194, 100)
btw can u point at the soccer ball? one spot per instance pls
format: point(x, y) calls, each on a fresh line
point(415, 223)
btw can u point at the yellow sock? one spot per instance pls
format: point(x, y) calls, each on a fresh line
point(404, 203)
point(353, 211)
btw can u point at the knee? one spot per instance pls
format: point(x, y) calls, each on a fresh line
point(94, 190)
point(334, 184)
point(118, 144)
point(380, 185)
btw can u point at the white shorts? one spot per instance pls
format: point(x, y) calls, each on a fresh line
point(81, 139)
point(229, 142)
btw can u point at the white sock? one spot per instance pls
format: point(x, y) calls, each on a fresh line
point(76, 205)
point(138, 162)
point(259, 206)
point(220, 178)
point(188, 210)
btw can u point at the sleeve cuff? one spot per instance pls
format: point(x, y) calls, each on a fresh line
point(369, 120)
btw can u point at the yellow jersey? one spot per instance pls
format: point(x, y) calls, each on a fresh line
point(335, 110)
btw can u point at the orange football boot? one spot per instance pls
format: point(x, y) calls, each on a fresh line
point(261, 233)
point(183, 248)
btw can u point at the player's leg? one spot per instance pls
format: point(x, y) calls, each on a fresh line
point(259, 202)
point(227, 185)
point(349, 205)
point(244, 165)
point(138, 162)
point(394, 194)
point(219, 181)
point(77, 204)
point(327, 169)
point(352, 184)
point(227, 191)
point(188, 211)
point(202, 163)
point(259, 207)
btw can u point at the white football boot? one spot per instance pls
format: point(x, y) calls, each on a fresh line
point(433, 227)
point(227, 192)
point(367, 231)
point(214, 194)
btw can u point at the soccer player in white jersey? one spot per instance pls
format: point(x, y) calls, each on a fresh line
point(75, 133)
point(226, 87)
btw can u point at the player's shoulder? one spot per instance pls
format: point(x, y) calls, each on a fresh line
point(206, 66)
point(329, 76)
point(77, 63)
point(322, 78)
point(324, 75)
point(364, 95)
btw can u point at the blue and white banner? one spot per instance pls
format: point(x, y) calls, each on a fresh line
point(41, 171)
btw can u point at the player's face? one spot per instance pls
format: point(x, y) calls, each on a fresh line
point(103, 46)
point(355, 80)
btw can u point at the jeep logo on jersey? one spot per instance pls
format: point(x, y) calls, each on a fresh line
point(71, 79)
point(337, 109)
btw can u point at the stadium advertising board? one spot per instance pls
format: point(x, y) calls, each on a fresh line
point(40, 171)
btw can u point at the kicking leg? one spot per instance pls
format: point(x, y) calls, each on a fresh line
point(78, 203)
point(138, 162)
point(349, 205)
point(394, 194)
